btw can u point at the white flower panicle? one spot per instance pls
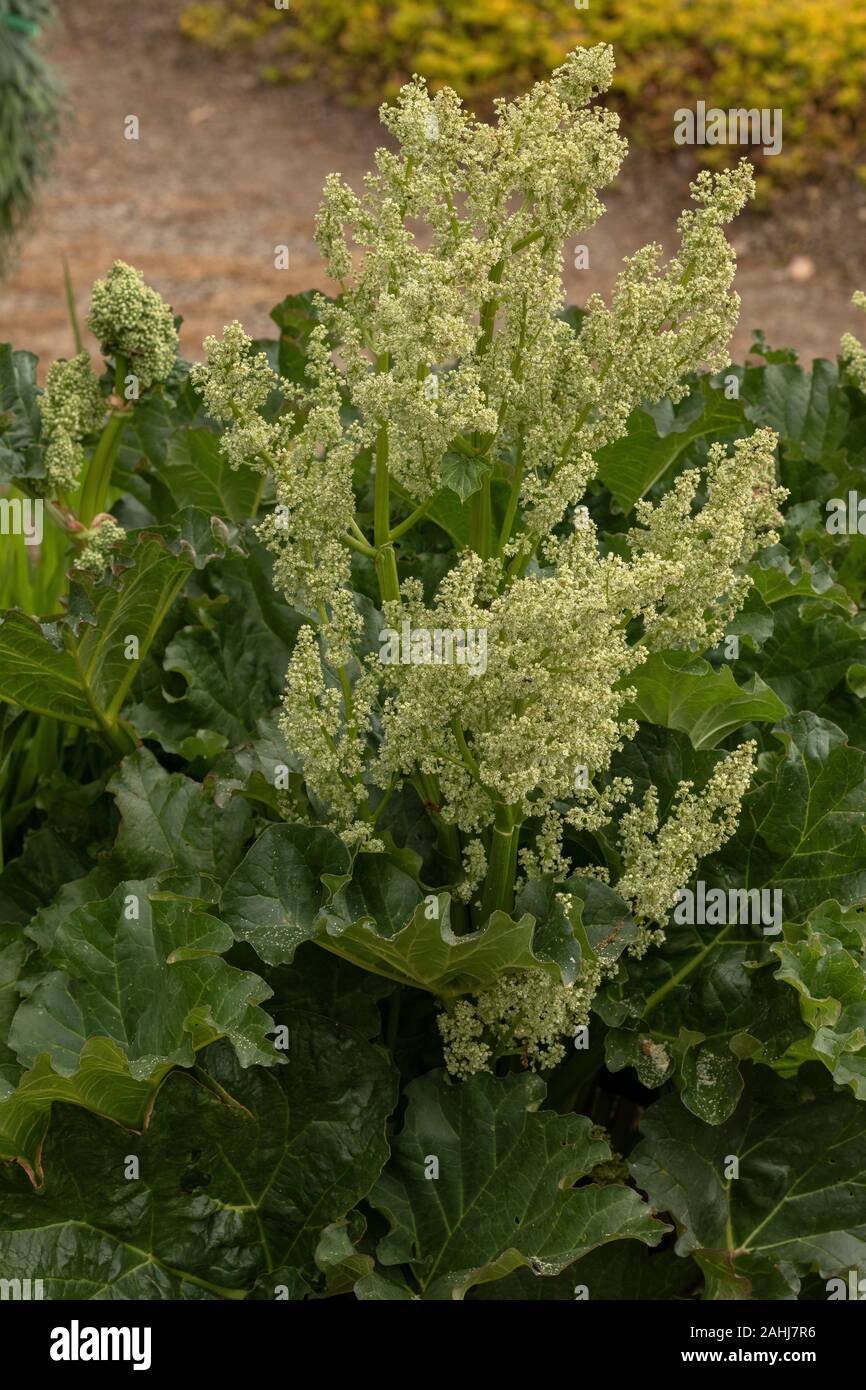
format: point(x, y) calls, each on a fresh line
point(700, 556)
point(447, 370)
point(330, 747)
point(555, 653)
point(659, 858)
point(526, 1013)
point(236, 381)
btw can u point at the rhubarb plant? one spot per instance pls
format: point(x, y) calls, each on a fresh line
point(435, 789)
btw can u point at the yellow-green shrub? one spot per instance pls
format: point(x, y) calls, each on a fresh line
point(806, 56)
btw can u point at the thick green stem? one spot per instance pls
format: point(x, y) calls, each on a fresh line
point(386, 559)
point(479, 525)
point(95, 491)
point(513, 500)
point(498, 894)
point(410, 521)
point(386, 573)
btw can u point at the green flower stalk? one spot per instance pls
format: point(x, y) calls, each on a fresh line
point(446, 370)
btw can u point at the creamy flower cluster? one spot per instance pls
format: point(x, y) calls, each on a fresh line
point(103, 535)
point(310, 456)
point(547, 703)
point(701, 552)
point(525, 1013)
point(72, 406)
point(658, 858)
point(235, 385)
point(447, 356)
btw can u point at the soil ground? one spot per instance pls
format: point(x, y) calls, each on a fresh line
point(226, 168)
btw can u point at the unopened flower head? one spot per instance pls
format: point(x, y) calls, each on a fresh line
point(853, 350)
point(105, 533)
point(130, 320)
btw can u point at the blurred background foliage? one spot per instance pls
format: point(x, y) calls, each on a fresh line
point(805, 56)
point(29, 109)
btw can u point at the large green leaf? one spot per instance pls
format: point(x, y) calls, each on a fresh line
point(138, 985)
point(658, 436)
point(798, 1202)
point(147, 433)
point(580, 918)
point(236, 1178)
point(807, 409)
point(824, 960)
point(504, 1196)
point(703, 1002)
point(427, 954)
point(38, 673)
point(622, 1270)
point(20, 419)
point(198, 474)
point(275, 896)
point(809, 651)
point(79, 670)
point(144, 969)
point(102, 1084)
point(680, 691)
point(44, 866)
point(694, 1010)
point(130, 601)
point(802, 825)
point(775, 578)
point(294, 886)
point(169, 821)
point(232, 663)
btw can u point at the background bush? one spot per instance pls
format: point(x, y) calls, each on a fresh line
point(28, 109)
point(806, 56)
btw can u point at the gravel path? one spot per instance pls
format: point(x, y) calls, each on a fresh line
point(227, 168)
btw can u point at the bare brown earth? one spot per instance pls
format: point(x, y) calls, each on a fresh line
point(226, 168)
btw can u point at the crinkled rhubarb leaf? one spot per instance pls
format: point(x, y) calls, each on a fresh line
point(143, 968)
point(168, 821)
point(824, 960)
point(622, 1270)
point(680, 691)
point(802, 823)
point(659, 436)
point(237, 1178)
point(799, 1198)
point(504, 1194)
